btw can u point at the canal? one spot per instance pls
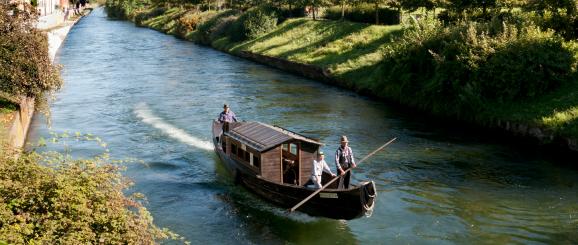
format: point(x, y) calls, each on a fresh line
point(152, 97)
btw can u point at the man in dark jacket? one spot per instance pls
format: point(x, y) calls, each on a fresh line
point(344, 160)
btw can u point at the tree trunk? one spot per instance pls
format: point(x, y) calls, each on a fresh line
point(376, 12)
point(342, 9)
point(313, 9)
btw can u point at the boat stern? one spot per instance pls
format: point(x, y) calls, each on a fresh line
point(367, 195)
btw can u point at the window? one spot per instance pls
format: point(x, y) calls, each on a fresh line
point(233, 149)
point(240, 153)
point(286, 147)
point(224, 144)
point(293, 149)
point(247, 157)
point(256, 162)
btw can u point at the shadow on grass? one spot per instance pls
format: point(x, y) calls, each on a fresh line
point(326, 34)
point(278, 32)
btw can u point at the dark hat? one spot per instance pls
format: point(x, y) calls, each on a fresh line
point(225, 106)
point(344, 139)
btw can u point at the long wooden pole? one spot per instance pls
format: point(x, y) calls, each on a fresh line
point(337, 177)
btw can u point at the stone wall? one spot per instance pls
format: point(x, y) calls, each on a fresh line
point(21, 122)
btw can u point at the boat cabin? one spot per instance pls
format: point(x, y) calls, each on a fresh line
point(276, 154)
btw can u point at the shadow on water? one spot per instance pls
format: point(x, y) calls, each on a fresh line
point(265, 223)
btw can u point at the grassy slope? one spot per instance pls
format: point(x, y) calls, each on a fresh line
point(352, 52)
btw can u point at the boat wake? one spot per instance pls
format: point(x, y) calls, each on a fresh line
point(143, 112)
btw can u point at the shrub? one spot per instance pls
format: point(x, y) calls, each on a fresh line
point(223, 27)
point(285, 13)
point(25, 66)
point(209, 26)
point(51, 198)
point(257, 22)
point(187, 23)
point(364, 14)
point(460, 68)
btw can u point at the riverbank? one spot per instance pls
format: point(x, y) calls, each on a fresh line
point(358, 57)
point(16, 122)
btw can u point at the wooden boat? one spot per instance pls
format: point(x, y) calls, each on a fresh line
point(276, 163)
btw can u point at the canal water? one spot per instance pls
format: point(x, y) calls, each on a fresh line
point(152, 97)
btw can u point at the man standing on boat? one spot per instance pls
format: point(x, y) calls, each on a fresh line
point(344, 160)
point(227, 115)
point(319, 166)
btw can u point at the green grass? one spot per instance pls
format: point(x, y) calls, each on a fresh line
point(165, 22)
point(340, 46)
point(556, 111)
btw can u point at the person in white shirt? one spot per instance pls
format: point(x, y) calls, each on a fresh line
point(319, 166)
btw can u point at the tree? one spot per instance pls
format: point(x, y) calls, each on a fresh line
point(25, 66)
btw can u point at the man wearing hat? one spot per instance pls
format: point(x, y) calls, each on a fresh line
point(344, 160)
point(227, 115)
point(319, 166)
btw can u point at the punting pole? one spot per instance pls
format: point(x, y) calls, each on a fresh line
point(338, 176)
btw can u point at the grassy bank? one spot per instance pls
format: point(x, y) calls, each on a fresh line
point(491, 74)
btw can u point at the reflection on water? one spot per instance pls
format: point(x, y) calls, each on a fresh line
point(152, 97)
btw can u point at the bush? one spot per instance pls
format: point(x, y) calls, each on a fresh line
point(364, 14)
point(206, 29)
point(222, 27)
point(462, 67)
point(257, 22)
point(51, 198)
point(286, 13)
point(25, 66)
point(188, 23)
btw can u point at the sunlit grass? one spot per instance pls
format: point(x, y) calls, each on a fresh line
point(561, 118)
point(338, 45)
point(165, 22)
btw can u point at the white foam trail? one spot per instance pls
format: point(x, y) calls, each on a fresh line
point(143, 112)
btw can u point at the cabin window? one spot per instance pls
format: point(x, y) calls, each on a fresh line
point(224, 144)
point(286, 147)
point(256, 161)
point(293, 148)
point(233, 149)
point(240, 153)
point(247, 157)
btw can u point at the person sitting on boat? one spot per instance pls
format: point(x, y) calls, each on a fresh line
point(319, 166)
point(227, 115)
point(344, 160)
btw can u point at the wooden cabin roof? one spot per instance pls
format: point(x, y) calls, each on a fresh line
point(262, 137)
